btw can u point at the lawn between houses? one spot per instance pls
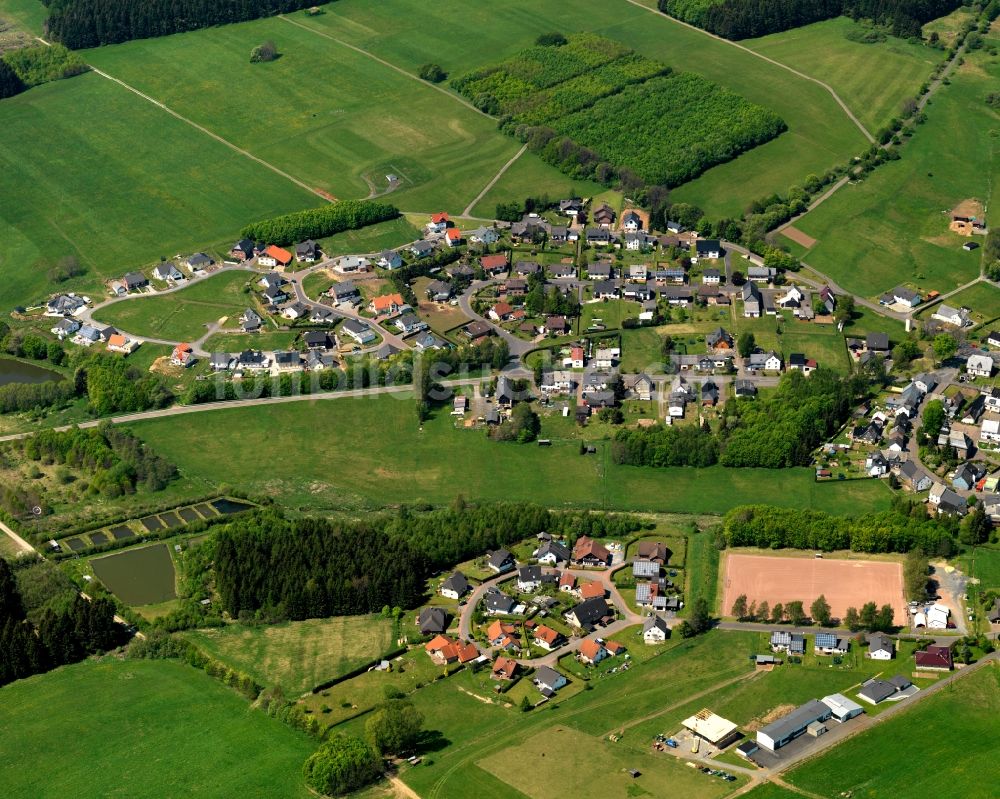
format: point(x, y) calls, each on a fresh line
point(184, 314)
point(143, 729)
point(438, 462)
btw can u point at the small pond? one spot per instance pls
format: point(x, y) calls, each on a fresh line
point(12, 371)
point(139, 576)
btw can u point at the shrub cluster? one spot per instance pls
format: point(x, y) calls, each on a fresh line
point(317, 223)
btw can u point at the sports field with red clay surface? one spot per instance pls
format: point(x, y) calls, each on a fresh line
point(844, 583)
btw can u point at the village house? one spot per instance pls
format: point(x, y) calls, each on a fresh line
point(484, 235)
point(751, 301)
point(546, 638)
point(444, 650)
point(274, 256)
point(588, 614)
point(831, 644)
point(168, 272)
point(958, 317)
point(307, 252)
point(387, 304)
point(655, 630)
point(552, 553)
point(134, 280)
point(934, 658)
point(548, 680)
point(588, 552)
point(881, 647)
point(243, 250)
point(591, 653)
point(455, 586)
point(720, 340)
point(708, 248)
point(421, 249)
point(389, 259)
point(432, 621)
point(979, 364)
point(504, 669)
point(183, 355)
point(501, 561)
point(761, 274)
point(439, 223)
point(529, 579)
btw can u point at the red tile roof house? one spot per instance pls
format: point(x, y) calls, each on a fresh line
point(592, 652)
point(274, 256)
point(934, 658)
point(501, 312)
point(591, 590)
point(504, 669)
point(546, 638)
point(439, 223)
point(453, 237)
point(494, 264)
point(567, 581)
point(614, 648)
point(503, 636)
point(387, 303)
point(588, 552)
point(443, 649)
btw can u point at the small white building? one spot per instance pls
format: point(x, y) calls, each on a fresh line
point(654, 630)
point(842, 707)
point(979, 365)
point(937, 617)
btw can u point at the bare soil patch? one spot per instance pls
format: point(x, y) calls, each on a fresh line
point(796, 235)
point(844, 583)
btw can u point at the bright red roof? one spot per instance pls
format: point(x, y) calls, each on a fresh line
point(278, 254)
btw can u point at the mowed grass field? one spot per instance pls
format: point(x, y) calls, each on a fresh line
point(299, 655)
point(368, 453)
point(872, 79)
point(102, 175)
point(939, 747)
point(142, 728)
point(893, 227)
point(983, 564)
point(329, 115)
point(373, 239)
point(982, 299)
point(181, 315)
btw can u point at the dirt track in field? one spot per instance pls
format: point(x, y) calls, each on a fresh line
point(844, 583)
point(798, 236)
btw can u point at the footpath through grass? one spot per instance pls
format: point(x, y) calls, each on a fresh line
point(182, 315)
point(369, 453)
point(142, 729)
point(948, 737)
point(872, 79)
point(299, 655)
point(103, 175)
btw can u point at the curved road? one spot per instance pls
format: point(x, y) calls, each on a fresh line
point(604, 577)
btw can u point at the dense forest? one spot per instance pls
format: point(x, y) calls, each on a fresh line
point(776, 432)
point(41, 64)
point(307, 568)
point(890, 531)
point(317, 223)
point(66, 630)
point(88, 23)
point(745, 19)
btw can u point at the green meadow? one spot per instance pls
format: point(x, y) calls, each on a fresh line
point(823, 51)
point(142, 728)
point(91, 170)
point(369, 453)
point(948, 733)
point(329, 115)
point(893, 227)
point(181, 315)
point(298, 655)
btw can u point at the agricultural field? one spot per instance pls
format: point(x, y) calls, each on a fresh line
point(299, 655)
point(405, 464)
point(156, 713)
point(318, 126)
point(823, 51)
point(183, 315)
point(893, 227)
point(819, 136)
point(949, 728)
point(132, 184)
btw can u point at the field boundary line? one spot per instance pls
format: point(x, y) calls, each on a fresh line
point(385, 63)
point(803, 75)
point(207, 132)
point(492, 183)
